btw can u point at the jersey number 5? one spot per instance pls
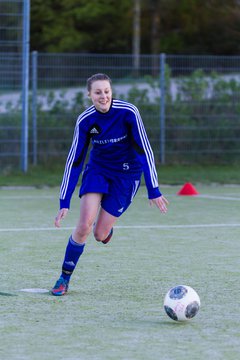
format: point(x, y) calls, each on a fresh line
point(125, 166)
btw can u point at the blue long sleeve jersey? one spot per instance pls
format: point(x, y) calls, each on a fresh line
point(119, 146)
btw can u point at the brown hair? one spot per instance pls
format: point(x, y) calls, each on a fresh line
point(97, 77)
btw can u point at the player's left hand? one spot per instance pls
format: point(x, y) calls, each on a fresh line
point(161, 202)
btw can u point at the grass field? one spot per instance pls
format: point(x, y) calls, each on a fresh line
point(51, 174)
point(114, 309)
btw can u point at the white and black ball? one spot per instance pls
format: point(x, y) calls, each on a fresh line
point(181, 303)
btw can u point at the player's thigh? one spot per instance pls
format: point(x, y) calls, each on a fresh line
point(89, 207)
point(104, 223)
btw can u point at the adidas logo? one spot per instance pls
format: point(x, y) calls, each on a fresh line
point(121, 210)
point(94, 131)
point(70, 263)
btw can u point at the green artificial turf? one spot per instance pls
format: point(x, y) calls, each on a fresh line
point(114, 308)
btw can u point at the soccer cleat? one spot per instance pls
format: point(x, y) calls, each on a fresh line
point(108, 238)
point(60, 288)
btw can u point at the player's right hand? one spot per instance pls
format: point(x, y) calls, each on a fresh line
point(61, 215)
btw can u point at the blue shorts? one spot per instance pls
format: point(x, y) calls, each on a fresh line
point(118, 191)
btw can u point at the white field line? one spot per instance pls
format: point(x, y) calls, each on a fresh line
point(167, 227)
point(216, 197)
point(28, 197)
point(37, 197)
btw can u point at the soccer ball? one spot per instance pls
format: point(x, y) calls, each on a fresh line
point(181, 303)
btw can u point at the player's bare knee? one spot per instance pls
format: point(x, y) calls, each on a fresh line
point(83, 230)
point(99, 235)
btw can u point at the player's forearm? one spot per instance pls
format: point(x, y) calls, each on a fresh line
point(68, 186)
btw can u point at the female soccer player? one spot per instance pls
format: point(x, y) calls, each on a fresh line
point(111, 178)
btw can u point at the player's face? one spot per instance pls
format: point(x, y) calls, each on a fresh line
point(101, 95)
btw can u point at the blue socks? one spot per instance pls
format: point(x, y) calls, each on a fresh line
point(72, 255)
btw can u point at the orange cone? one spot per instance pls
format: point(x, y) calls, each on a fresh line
point(188, 189)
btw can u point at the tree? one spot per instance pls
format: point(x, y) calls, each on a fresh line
point(110, 26)
point(191, 26)
point(81, 26)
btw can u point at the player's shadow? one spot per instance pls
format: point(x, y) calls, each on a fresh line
point(160, 322)
point(6, 294)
